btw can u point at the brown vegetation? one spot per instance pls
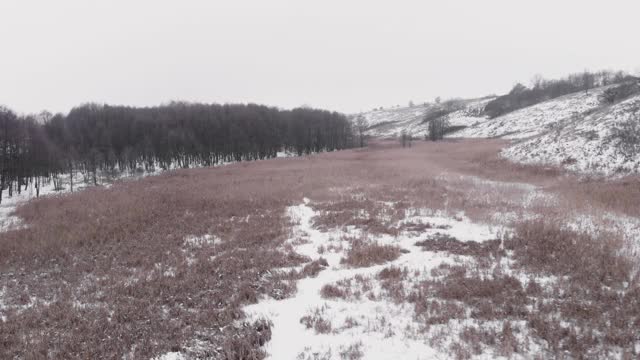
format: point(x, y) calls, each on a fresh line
point(590, 289)
point(104, 273)
point(443, 242)
point(364, 254)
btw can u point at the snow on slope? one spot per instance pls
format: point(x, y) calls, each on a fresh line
point(588, 144)
point(391, 122)
point(536, 119)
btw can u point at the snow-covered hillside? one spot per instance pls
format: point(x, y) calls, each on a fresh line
point(391, 122)
point(536, 119)
point(587, 143)
point(575, 131)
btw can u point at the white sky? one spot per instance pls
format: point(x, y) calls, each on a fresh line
point(345, 55)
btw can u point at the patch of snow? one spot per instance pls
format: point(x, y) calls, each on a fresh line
point(171, 356)
point(201, 241)
point(385, 328)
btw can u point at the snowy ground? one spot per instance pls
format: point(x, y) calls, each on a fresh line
point(376, 329)
point(372, 325)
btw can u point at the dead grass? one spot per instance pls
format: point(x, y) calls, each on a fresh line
point(347, 289)
point(443, 242)
point(317, 322)
point(587, 306)
point(365, 254)
point(313, 268)
point(352, 352)
point(104, 273)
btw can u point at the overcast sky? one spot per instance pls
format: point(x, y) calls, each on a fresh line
point(336, 54)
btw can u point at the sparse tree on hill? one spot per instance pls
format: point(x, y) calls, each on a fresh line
point(361, 127)
point(437, 128)
point(588, 80)
point(537, 81)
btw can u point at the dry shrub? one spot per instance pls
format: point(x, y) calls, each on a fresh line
point(391, 282)
point(487, 298)
point(317, 322)
point(420, 227)
point(393, 273)
point(119, 253)
point(354, 287)
point(329, 291)
point(364, 254)
point(369, 215)
point(313, 268)
point(350, 322)
point(99, 247)
point(618, 195)
point(597, 291)
point(594, 292)
point(444, 242)
point(590, 306)
point(351, 352)
point(475, 337)
point(247, 343)
point(547, 248)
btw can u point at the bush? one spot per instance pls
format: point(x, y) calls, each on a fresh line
point(364, 255)
point(620, 92)
point(438, 128)
point(629, 135)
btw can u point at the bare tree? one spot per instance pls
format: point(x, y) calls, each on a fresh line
point(537, 81)
point(437, 128)
point(361, 127)
point(405, 138)
point(588, 80)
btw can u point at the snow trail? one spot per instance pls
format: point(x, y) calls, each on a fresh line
point(386, 330)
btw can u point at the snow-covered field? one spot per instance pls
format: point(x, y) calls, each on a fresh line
point(374, 327)
point(375, 320)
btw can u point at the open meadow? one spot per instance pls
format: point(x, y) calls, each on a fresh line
point(437, 250)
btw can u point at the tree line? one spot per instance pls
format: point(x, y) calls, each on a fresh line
point(96, 138)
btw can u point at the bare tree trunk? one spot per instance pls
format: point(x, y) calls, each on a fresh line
point(1, 186)
point(71, 175)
